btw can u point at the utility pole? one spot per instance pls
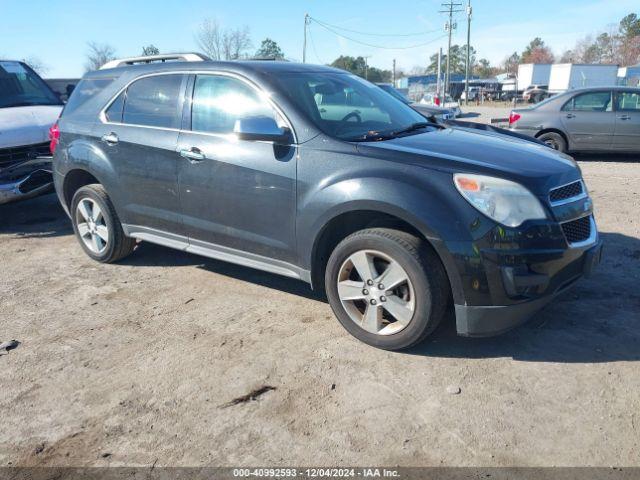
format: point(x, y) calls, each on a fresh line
point(449, 27)
point(366, 67)
point(394, 72)
point(468, 69)
point(439, 79)
point(304, 43)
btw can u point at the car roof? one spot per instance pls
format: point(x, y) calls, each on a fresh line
point(259, 66)
point(604, 87)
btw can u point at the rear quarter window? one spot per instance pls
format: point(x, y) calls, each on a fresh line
point(86, 90)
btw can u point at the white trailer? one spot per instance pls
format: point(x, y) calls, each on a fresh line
point(533, 74)
point(568, 76)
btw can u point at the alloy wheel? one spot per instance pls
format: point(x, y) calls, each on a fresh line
point(92, 226)
point(376, 292)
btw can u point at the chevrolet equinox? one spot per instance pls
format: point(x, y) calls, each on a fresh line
point(313, 173)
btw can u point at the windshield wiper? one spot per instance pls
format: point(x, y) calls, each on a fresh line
point(415, 126)
point(372, 137)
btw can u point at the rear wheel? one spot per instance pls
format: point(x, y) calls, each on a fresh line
point(97, 226)
point(387, 287)
point(554, 140)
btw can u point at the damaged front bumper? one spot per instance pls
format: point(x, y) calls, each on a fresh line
point(26, 179)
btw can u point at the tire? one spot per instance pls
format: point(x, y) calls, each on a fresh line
point(554, 140)
point(426, 289)
point(102, 237)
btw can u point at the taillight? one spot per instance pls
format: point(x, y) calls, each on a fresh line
point(514, 117)
point(436, 100)
point(54, 136)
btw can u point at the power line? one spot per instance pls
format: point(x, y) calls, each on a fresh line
point(415, 34)
point(383, 47)
point(313, 45)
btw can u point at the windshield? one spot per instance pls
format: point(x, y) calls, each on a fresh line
point(348, 107)
point(20, 87)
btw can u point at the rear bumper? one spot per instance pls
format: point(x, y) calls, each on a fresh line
point(527, 132)
point(26, 180)
point(485, 321)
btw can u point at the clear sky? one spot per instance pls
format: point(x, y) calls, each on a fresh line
point(57, 31)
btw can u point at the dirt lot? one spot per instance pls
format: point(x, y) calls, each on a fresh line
point(134, 363)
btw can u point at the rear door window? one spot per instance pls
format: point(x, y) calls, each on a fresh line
point(154, 101)
point(590, 102)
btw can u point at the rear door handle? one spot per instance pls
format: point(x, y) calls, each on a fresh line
point(110, 138)
point(570, 115)
point(625, 117)
point(194, 155)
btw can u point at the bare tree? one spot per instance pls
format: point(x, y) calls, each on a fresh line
point(235, 43)
point(37, 64)
point(222, 44)
point(98, 55)
point(209, 38)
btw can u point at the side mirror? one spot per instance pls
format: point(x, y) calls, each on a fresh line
point(260, 129)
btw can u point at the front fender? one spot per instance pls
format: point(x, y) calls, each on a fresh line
point(430, 206)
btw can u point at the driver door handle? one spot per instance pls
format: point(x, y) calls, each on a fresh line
point(571, 115)
point(625, 117)
point(110, 138)
point(194, 155)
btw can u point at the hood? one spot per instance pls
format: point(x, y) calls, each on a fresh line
point(474, 151)
point(26, 125)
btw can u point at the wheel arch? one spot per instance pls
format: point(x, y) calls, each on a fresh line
point(344, 223)
point(75, 179)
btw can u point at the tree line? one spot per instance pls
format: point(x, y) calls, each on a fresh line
point(618, 45)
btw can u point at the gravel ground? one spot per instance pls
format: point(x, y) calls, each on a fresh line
point(139, 363)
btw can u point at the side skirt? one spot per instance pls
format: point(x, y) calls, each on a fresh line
point(217, 252)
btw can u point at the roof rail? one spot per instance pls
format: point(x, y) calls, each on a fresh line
point(170, 57)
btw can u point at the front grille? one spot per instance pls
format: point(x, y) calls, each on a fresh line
point(567, 191)
point(13, 155)
point(577, 230)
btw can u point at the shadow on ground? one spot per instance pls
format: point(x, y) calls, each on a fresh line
point(606, 157)
point(148, 254)
point(37, 217)
point(597, 321)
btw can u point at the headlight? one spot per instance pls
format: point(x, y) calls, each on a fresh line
point(506, 202)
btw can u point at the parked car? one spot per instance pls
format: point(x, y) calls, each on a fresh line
point(433, 100)
point(591, 119)
point(435, 113)
point(63, 87)
point(535, 93)
point(474, 94)
point(28, 108)
point(327, 179)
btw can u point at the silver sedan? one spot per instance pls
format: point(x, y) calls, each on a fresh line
point(590, 119)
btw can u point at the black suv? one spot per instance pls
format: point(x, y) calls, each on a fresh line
point(315, 174)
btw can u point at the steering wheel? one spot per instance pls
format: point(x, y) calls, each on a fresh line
point(355, 114)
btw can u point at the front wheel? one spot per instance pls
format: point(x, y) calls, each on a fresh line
point(388, 288)
point(97, 226)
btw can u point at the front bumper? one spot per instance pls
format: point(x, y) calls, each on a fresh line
point(26, 180)
point(484, 321)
